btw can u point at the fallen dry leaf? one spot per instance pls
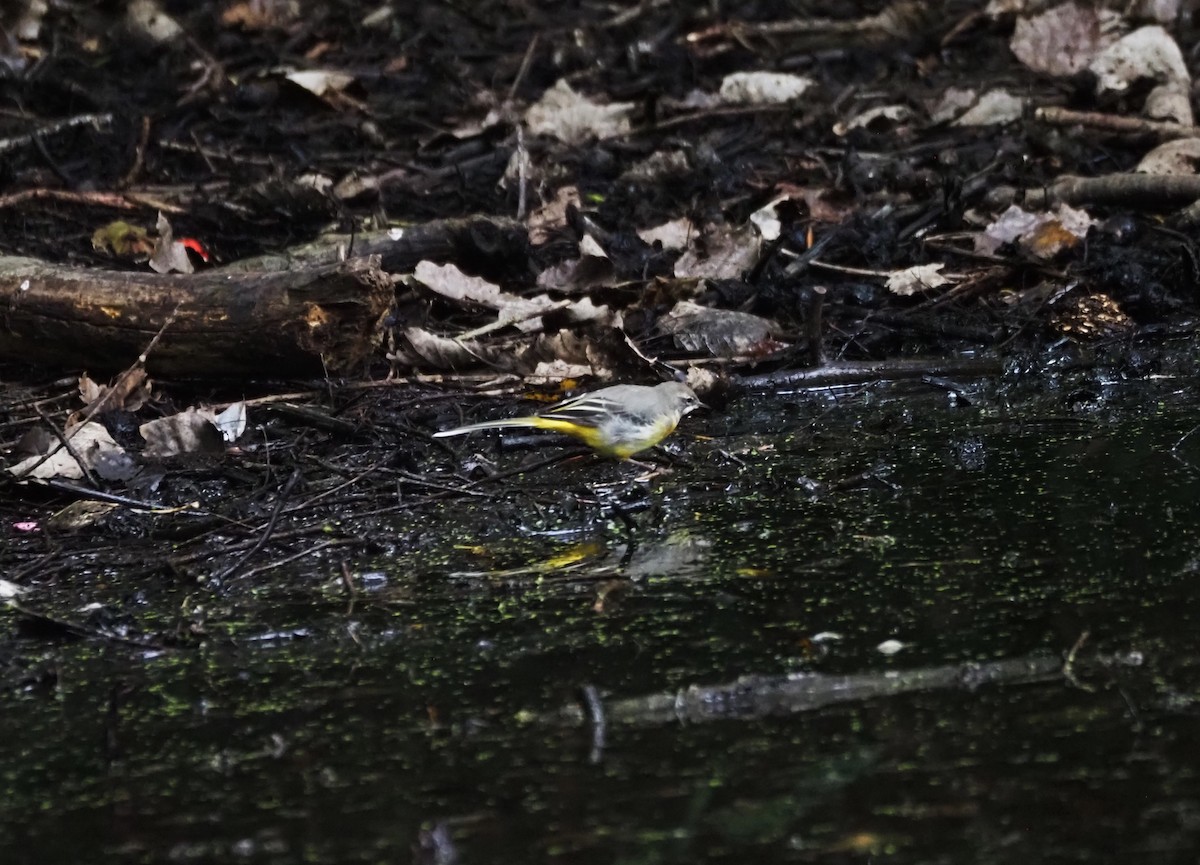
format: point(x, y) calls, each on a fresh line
point(1063, 40)
point(451, 283)
point(879, 118)
point(147, 19)
point(190, 431)
point(762, 88)
point(169, 255)
point(1040, 234)
point(994, 108)
point(574, 119)
point(1172, 157)
point(524, 313)
point(80, 515)
point(953, 102)
point(676, 234)
point(824, 204)
point(90, 441)
point(320, 82)
point(261, 14)
point(592, 269)
point(551, 217)
point(598, 349)
point(766, 218)
point(720, 332)
point(422, 349)
point(231, 422)
point(722, 252)
point(922, 277)
point(560, 370)
point(130, 392)
point(1147, 54)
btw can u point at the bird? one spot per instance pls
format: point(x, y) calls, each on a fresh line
point(617, 421)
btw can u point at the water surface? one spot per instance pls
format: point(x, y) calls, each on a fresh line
point(423, 719)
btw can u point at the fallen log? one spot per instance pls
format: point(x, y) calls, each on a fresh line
point(289, 323)
point(479, 244)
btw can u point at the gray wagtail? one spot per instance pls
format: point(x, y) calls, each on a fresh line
point(617, 421)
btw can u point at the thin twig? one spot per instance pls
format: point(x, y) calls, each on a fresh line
point(1120, 123)
point(139, 155)
point(118, 200)
point(287, 560)
point(814, 325)
point(266, 535)
point(95, 120)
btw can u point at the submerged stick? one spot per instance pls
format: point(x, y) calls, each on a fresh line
point(754, 697)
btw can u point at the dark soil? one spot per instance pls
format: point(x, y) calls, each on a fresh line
point(210, 124)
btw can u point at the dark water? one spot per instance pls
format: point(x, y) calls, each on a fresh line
point(412, 722)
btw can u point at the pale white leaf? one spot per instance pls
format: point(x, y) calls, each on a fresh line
point(320, 82)
point(874, 118)
point(994, 108)
point(762, 88)
point(1172, 157)
point(1171, 103)
point(146, 17)
point(766, 218)
point(169, 255)
point(1146, 53)
point(523, 312)
point(232, 421)
point(573, 118)
point(910, 280)
point(953, 102)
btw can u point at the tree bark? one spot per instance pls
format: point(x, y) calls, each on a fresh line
point(291, 323)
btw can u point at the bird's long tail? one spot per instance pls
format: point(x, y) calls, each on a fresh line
point(528, 422)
